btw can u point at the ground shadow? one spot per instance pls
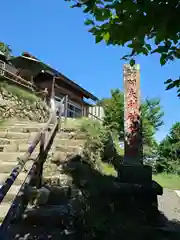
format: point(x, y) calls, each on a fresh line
point(108, 214)
point(100, 211)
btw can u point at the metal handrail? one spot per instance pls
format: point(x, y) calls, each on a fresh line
point(23, 160)
point(35, 172)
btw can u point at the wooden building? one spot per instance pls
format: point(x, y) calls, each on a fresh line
point(41, 75)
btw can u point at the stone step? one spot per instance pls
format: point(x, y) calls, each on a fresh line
point(29, 123)
point(72, 142)
point(4, 141)
point(18, 137)
point(11, 193)
point(4, 208)
point(71, 135)
point(13, 144)
point(23, 147)
point(21, 177)
point(25, 129)
point(28, 127)
point(16, 147)
point(22, 231)
point(9, 148)
point(49, 215)
point(7, 167)
point(69, 149)
point(13, 156)
point(8, 141)
point(14, 135)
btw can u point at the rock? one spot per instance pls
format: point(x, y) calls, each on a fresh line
point(37, 196)
point(58, 158)
point(14, 106)
point(42, 196)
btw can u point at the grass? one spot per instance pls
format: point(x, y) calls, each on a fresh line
point(108, 169)
point(170, 181)
point(19, 92)
point(3, 123)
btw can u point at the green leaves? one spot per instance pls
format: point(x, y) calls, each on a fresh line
point(173, 83)
point(89, 22)
point(168, 81)
point(4, 48)
point(132, 62)
point(106, 36)
point(169, 154)
point(137, 25)
point(163, 59)
point(99, 38)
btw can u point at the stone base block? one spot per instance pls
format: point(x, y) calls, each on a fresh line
point(137, 174)
point(140, 190)
point(140, 199)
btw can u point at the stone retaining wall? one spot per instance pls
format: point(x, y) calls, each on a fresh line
point(14, 106)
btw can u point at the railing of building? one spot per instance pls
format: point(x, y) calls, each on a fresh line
point(7, 75)
point(96, 112)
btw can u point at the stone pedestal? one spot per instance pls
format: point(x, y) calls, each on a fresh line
point(139, 192)
point(137, 174)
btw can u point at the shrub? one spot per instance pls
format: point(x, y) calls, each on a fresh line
point(99, 148)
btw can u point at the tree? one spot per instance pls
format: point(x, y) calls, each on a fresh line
point(5, 49)
point(169, 151)
point(114, 111)
point(114, 115)
point(151, 110)
point(145, 27)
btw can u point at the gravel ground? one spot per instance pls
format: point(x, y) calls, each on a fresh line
point(169, 205)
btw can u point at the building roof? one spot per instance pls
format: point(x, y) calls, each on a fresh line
point(44, 67)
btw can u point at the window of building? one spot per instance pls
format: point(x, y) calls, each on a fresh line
point(74, 111)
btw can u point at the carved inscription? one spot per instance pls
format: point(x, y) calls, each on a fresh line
point(132, 113)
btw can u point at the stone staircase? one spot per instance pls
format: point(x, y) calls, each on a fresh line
point(14, 142)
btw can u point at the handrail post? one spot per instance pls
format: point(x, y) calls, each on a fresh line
point(39, 167)
point(66, 108)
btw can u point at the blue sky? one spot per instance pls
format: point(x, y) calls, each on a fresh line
point(56, 34)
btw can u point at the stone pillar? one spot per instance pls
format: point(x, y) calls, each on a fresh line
point(132, 115)
point(132, 169)
point(139, 192)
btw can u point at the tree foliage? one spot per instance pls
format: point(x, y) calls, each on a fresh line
point(114, 111)
point(152, 111)
point(114, 115)
point(5, 49)
point(169, 151)
point(145, 27)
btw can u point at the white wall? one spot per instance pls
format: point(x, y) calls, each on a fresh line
point(96, 111)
